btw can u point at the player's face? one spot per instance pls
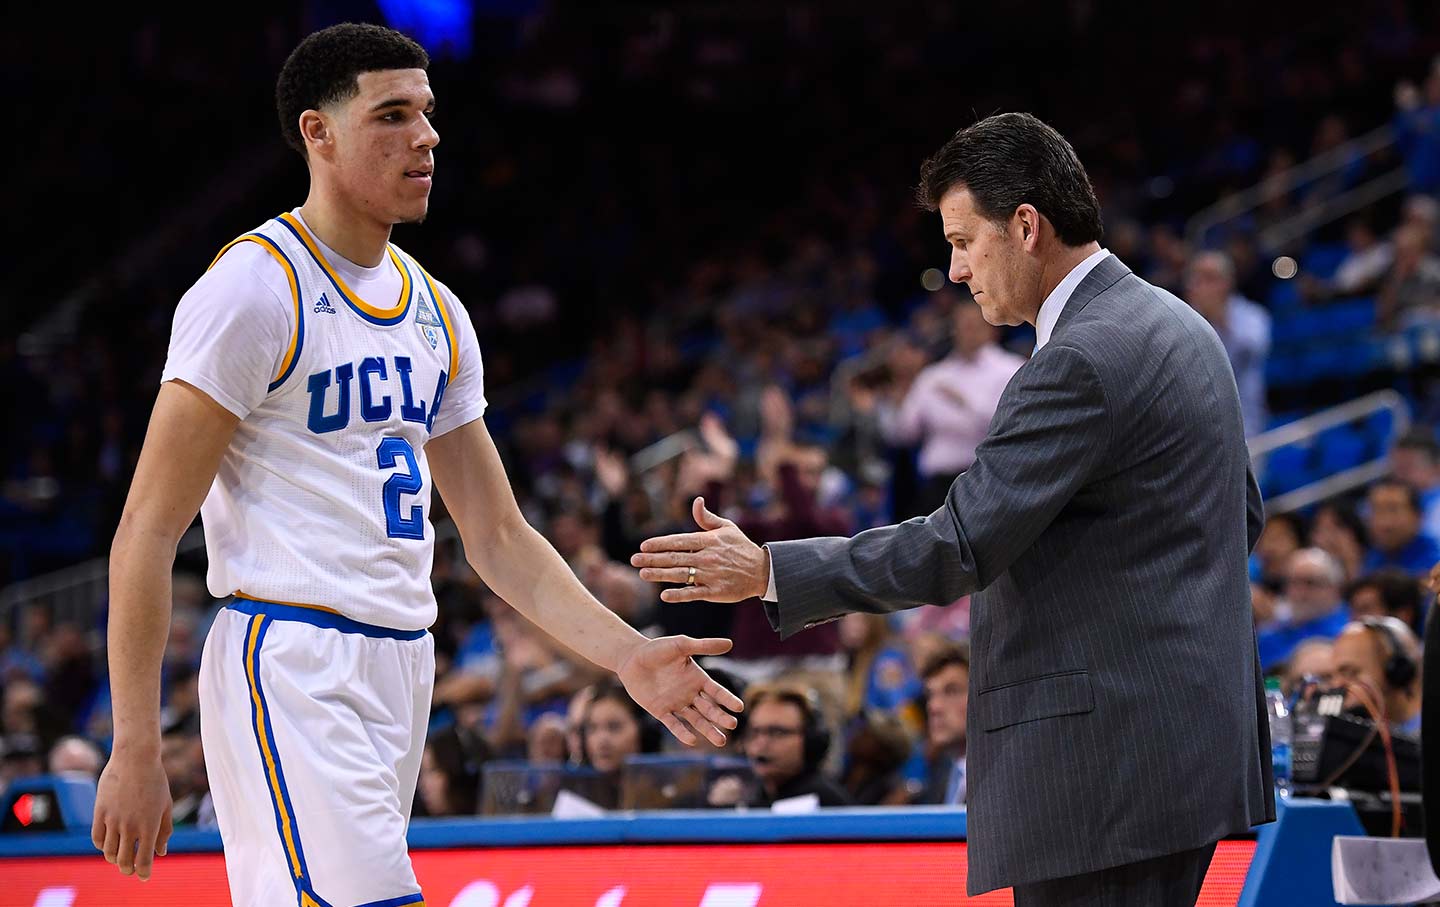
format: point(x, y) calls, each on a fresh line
point(384, 147)
point(990, 260)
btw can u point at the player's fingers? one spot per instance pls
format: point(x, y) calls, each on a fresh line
point(681, 732)
point(126, 854)
point(708, 646)
point(697, 721)
point(97, 831)
point(685, 541)
point(714, 714)
point(724, 697)
point(145, 852)
point(112, 841)
point(167, 825)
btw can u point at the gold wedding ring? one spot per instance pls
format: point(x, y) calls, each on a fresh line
point(690, 580)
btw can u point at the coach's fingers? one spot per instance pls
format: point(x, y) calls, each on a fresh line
point(663, 574)
point(695, 593)
point(685, 541)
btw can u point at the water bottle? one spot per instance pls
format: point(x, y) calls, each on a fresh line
point(1280, 735)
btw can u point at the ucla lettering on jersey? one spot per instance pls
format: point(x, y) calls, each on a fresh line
point(323, 498)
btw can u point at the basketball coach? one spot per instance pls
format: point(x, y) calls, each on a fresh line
point(1116, 708)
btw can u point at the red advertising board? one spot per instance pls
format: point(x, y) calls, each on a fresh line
point(708, 875)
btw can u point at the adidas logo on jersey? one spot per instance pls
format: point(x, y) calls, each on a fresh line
point(324, 306)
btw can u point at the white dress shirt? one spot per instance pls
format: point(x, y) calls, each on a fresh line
point(1049, 313)
point(1054, 304)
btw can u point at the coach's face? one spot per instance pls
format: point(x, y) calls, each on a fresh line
point(995, 260)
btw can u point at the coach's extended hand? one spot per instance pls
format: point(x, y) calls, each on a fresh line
point(718, 565)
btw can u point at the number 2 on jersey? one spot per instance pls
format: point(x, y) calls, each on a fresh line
point(396, 526)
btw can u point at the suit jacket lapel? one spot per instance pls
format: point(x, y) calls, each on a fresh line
point(1101, 278)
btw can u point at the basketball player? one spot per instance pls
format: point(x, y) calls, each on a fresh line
point(318, 378)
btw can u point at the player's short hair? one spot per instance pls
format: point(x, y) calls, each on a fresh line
point(1009, 160)
point(325, 67)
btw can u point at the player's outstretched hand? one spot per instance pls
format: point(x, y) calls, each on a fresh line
point(132, 812)
point(662, 676)
point(727, 566)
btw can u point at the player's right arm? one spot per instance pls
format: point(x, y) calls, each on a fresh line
point(230, 335)
point(187, 436)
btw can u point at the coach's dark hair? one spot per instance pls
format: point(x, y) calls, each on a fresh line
point(324, 69)
point(1009, 160)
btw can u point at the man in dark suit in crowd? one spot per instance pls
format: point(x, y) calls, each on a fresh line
point(1116, 721)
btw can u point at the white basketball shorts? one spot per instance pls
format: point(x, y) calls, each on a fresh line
point(313, 726)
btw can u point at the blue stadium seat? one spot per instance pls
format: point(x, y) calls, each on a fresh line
point(1340, 449)
point(1286, 469)
point(1323, 259)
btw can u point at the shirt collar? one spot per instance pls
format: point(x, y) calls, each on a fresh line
point(1054, 304)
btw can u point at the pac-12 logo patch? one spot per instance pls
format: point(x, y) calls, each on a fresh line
point(426, 320)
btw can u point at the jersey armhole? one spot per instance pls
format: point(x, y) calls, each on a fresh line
point(297, 336)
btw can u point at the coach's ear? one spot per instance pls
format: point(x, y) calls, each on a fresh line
point(1027, 224)
point(315, 130)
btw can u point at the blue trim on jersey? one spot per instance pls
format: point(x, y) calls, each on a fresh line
point(299, 315)
point(319, 618)
point(401, 901)
point(383, 322)
point(435, 301)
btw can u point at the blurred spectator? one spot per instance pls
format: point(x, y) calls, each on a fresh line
point(1283, 535)
point(1312, 606)
point(1396, 539)
point(948, 407)
point(1388, 592)
point(21, 756)
point(76, 756)
point(877, 751)
point(615, 728)
point(1338, 531)
point(786, 743)
point(1243, 326)
point(1312, 658)
point(183, 758)
point(947, 690)
point(1410, 292)
point(545, 741)
point(1362, 651)
point(1417, 130)
point(450, 774)
point(1365, 263)
point(1415, 460)
point(878, 675)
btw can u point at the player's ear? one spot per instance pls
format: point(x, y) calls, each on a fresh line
point(315, 130)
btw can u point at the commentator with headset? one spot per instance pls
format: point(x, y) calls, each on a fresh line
point(785, 741)
point(1382, 655)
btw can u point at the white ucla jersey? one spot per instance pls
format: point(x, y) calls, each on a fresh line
point(323, 497)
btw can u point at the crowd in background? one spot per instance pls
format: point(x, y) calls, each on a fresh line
point(695, 271)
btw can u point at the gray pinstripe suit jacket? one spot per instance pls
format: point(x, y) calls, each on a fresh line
point(1116, 705)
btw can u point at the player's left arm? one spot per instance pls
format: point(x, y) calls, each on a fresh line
point(523, 568)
